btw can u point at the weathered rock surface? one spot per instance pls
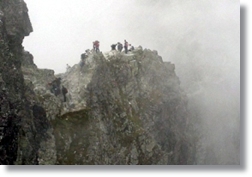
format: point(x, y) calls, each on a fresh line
point(23, 122)
point(125, 109)
point(120, 109)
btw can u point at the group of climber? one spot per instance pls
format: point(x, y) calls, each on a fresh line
point(55, 84)
point(96, 48)
point(56, 90)
point(127, 47)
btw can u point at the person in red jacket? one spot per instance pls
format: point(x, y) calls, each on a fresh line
point(97, 46)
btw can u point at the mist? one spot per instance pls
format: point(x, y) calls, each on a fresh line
point(202, 39)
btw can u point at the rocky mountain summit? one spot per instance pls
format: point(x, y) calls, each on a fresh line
point(120, 108)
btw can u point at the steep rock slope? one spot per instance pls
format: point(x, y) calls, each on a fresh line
point(120, 109)
point(37, 81)
point(23, 124)
point(124, 109)
point(25, 133)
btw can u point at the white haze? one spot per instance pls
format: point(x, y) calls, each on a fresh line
point(202, 38)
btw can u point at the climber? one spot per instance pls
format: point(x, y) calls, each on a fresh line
point(126, 46)
point(83, 59)
point(96, 46)
point(113, 46)
point(84, 56)
point(55, 86)
point(64, 92)
point(131, 47)
point(119, 46)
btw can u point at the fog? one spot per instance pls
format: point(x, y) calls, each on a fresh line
point(201, 37)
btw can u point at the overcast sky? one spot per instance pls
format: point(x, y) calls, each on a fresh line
point(63, 29)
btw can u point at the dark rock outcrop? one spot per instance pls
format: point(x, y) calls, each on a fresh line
point(20, 126)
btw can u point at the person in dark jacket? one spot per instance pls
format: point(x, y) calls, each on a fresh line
point(119, 47)
point(55, 86)
point(113, 46)
point(83, 59)
point(126, 44)
point(64, 92)
point(84, 56)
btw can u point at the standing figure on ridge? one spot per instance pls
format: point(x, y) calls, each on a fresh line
point(126, 46)
point(119, 47)
point(96, 46)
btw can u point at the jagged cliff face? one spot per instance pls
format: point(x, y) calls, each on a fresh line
point(120, 109)
point(23, 122)
point(124, 109)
